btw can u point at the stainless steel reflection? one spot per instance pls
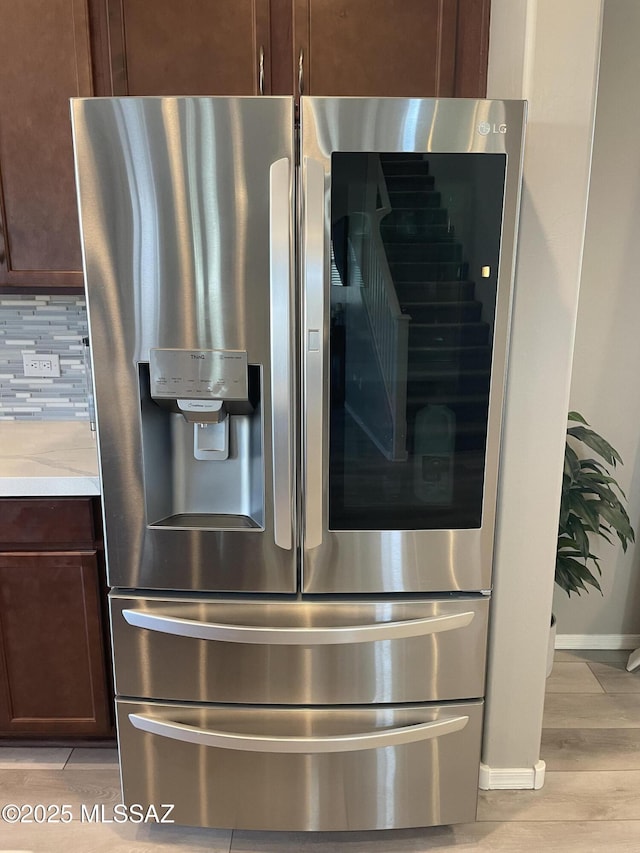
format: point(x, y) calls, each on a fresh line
point(181, 492)
point(282, 372)
point(319, 785)
point(418, 560)
point(298, 745)
point(289, 652)
point(174, 194)
point(243, 697)
point(314, 348)
point(273, 636)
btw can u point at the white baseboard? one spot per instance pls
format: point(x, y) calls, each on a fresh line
point(511, 778)
point(597, 641)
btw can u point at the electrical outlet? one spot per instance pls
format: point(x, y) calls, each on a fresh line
point(40, 364)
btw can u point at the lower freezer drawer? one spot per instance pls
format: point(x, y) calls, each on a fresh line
point(330, 769)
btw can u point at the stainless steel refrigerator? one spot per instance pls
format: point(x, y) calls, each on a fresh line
point(299, 339)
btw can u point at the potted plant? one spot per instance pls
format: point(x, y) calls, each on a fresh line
point(591, 506)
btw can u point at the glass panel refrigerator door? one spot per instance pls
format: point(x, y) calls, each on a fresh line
point(419, 203)
point(415, 245)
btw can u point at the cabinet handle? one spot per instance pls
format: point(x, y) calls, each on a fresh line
point(261, 71)
point(299, 745)
point(301, 72)
point(3, 242)
point(266, 635)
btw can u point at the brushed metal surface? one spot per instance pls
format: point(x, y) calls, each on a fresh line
point(274, 636)
point(183, 204)
point(282, 372)
point(298, 745)
point(174, 202)
point(201, 494)
point(381, 561)
point(197, 374)
point(199, 649)
point(421, 783)
point(314, 348)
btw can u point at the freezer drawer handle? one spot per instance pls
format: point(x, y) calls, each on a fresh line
point(261, 743)
point(296, 636)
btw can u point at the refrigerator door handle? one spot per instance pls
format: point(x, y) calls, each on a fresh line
point(283, 744)
point(281, 393)
point(313, 348)
point(266, 635)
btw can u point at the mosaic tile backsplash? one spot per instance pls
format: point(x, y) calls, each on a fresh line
point(48, 325)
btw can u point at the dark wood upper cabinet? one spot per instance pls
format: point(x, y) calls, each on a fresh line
point(391, 48)
point(190, 47)
point(376, 47)
point(472, 48)
point(68, 48)
point(45, 61)
point(411, 48)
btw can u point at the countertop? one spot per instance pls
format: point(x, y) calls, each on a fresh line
point(48, 458)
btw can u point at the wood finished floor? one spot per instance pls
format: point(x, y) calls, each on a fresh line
point(590, 800)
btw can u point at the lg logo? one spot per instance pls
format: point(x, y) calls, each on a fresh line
point(485, 128)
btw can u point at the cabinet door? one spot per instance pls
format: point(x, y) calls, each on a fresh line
point(391, 48)
point(189, 47)
point(45, 61)
point(52, 656)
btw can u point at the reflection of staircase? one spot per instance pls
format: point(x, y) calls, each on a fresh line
point(449, 344)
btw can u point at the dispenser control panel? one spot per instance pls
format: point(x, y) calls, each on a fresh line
point(213, 374)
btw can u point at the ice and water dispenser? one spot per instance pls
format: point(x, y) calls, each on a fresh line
point(202, 439)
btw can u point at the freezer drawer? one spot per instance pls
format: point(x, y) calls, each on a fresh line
point(303, 768)
point(299, 652)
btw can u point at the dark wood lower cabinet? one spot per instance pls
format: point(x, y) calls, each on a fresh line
point(53, 668)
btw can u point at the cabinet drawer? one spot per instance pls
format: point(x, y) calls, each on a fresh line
point(299, 652)
point(330, 769)
point(47, 524)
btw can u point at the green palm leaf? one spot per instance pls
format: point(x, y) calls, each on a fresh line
point(591, 506)
point(597, 443)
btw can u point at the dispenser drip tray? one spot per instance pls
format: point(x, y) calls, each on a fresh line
point(207, 521)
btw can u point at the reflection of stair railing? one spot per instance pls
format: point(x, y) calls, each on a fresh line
point(375, 393)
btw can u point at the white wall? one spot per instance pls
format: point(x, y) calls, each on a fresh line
point(547, 52)
point(605, 384)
